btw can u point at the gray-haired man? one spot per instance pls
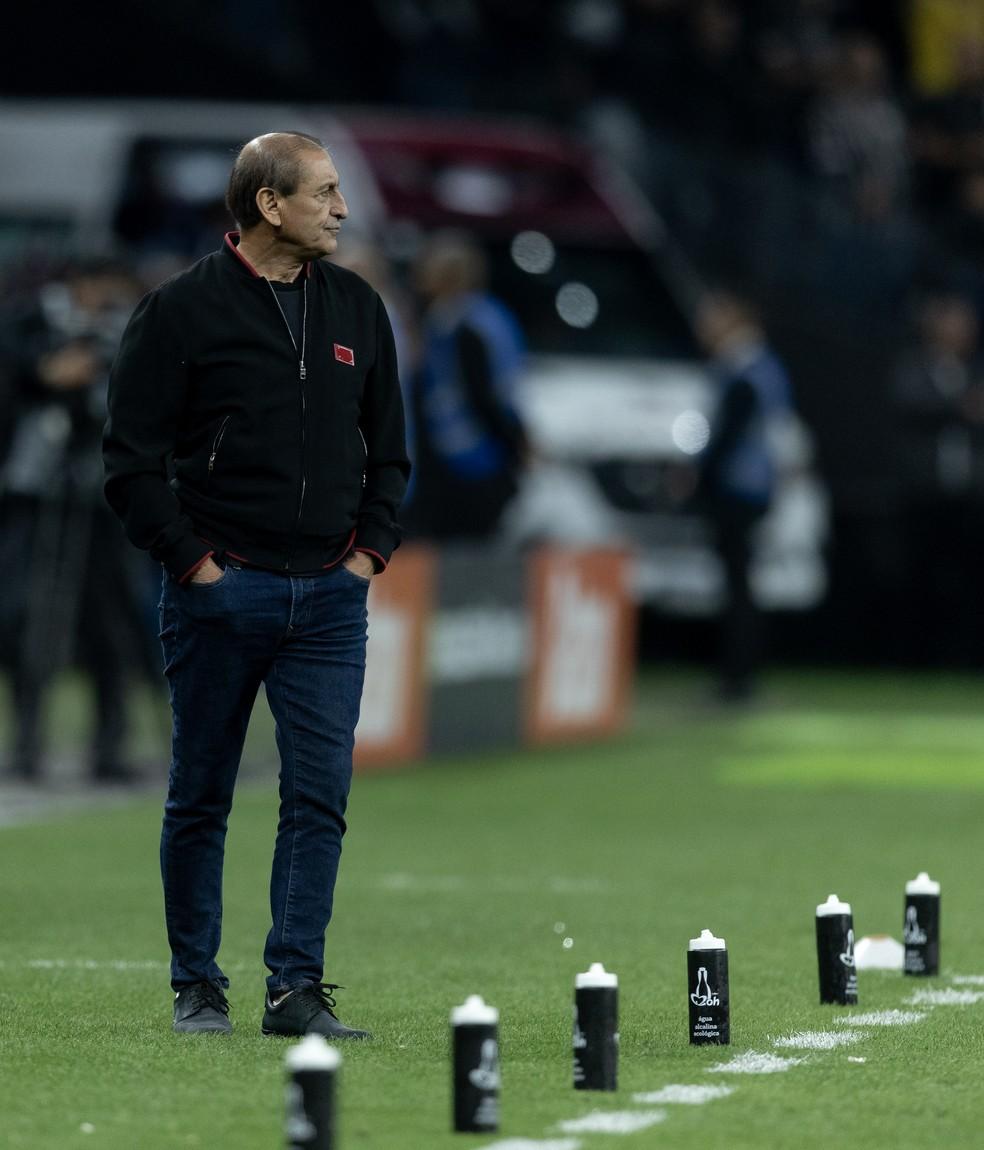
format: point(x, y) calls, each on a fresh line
point(255, 446)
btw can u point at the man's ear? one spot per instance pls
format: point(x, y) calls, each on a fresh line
point(269, 205)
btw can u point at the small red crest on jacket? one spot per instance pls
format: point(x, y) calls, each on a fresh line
point(345, 355)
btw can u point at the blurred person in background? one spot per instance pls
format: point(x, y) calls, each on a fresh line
point(857, 133)
point(367, 260)
point(67, 591)
point(948, 134)
point(939, 394)
point(718, 90)
point(255, 447)
point(440, 59)
point(471, 443)
point(952, 251)
point(797, 37)
point(737, 471)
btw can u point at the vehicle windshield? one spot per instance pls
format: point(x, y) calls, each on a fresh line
point(561, 254)
point(591, 301)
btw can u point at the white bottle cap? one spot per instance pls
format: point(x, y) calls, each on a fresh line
point(922, 884)
point(474, 1011)
point(833, 905)
point(313, 1053)
point(707, 941)
point(595, 976)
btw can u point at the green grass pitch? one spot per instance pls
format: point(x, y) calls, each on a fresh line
point(455, 880)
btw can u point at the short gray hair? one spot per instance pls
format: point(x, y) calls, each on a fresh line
point(270, 161)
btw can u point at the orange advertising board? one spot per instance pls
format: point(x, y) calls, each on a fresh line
point(577, 625)
point(393, 723)
point(583, 629)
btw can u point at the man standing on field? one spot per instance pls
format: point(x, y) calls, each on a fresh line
point(255, 446)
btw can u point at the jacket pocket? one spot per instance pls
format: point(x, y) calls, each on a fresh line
point(365, 455)
point(216, 447)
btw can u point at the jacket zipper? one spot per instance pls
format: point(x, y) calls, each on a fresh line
point(302, 376)
point(365, 452)
point(217, 443)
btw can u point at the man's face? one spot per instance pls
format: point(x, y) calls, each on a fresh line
point(311, 217)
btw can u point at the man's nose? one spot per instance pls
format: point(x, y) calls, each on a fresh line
point(341, 207)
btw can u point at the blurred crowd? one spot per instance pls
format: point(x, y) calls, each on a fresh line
point(825, 156)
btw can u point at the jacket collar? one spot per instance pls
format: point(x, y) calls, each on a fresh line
point(231, 249)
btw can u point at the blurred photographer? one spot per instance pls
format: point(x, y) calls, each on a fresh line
point(66, 590)
point(939, 408)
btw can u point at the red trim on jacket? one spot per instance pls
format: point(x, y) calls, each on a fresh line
point(378, 561)
point(230, 238)
point(191, 570)
point(346, 551)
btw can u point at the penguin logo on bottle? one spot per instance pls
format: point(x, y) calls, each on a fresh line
point(580, 1041)
point(913, 934)
point(703, 995)
point(847, 958)
point(485, 1076)
point(300, 1129)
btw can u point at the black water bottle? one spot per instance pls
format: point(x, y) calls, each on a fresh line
point(709, 997)
point(921, 929)
point(596, 1029)
point(312, 1066)
point(835, 952)
point(475, 1065)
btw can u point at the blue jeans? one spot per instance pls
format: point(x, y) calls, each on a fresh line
point(305, 639)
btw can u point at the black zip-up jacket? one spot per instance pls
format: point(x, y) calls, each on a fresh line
point(215, 441)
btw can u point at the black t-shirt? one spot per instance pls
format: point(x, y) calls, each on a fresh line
point(291, 299)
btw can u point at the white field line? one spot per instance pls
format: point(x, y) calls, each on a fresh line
point(401, 882)
point(95, 964)
point(855, 1058)
point(535, 1144)
point(405, 882)
point(684, 1095)
point(819, 1039)
point(117, 964)
point(882, 1018)
point(945, 997)
point(564, 884)
point(21, 806)
point(752, 1062)
point(613, 1122)
point(968, 979)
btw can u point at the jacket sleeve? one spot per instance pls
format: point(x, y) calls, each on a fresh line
point(387, 465)
point(148, 388)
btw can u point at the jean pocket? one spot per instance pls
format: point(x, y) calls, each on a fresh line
point(360, 579)
point(168, 627)
point(191, 585)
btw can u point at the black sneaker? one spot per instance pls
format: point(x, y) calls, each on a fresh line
point(202, 1009)
point(309, 1009)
